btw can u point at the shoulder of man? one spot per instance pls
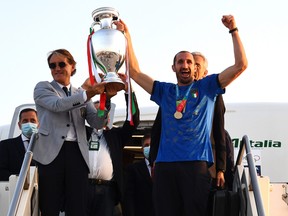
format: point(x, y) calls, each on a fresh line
point(11, 140)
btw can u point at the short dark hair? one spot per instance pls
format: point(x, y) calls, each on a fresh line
point(183, 51)
point(26, 110)
point(146, 136)
point(66, 54)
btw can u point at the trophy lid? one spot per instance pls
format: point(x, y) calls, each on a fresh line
point(105, 12)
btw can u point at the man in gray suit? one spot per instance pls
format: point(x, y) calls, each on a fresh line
point(61, 149)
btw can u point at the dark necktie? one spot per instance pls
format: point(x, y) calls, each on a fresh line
point(26, 144)
point(65, 89)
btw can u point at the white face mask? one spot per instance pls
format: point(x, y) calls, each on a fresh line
point(29, 128)
point(146, 151)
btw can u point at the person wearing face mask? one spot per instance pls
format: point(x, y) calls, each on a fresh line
point(138, 184)
point(12, 151)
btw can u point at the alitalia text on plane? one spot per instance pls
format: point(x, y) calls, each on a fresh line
point(258, 143)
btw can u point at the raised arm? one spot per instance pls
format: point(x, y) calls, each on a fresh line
point(140, 78)
point(232, 72)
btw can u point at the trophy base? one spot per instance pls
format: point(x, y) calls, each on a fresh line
point(113, 82)
point(115, 86)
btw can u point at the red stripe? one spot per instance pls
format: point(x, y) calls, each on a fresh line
point(89, 59)
point(102, 101)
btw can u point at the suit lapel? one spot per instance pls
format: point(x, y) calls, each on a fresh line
point(20, 146)
point(73, 89)
point(58, 89)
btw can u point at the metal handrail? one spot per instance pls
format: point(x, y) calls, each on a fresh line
point(252, 171)
point(22, 177)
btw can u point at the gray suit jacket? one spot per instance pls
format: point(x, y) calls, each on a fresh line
point(53, 107)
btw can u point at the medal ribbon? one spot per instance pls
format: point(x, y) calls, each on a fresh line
point(180, 106)
point(131, 102)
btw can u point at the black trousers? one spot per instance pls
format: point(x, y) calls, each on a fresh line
point(101, 199)
point(63, 183)
point(181, 188)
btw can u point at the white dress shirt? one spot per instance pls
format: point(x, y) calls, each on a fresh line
point(25, 141)
point(148, 166)
point(100, 162)
point(71, 135)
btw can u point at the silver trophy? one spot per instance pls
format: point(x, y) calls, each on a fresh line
point(108, 47)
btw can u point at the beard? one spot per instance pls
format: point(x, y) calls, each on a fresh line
point(184, 80)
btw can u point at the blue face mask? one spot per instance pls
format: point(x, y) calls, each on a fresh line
point(146, 151)
point(29, 128)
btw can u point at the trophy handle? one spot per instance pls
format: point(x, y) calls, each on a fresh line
point(99, 23)
point(105, 17)
point(114, 18)
point(94, 23)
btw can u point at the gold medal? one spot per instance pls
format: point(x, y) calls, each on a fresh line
point(178, 115)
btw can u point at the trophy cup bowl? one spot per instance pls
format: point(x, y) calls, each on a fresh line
point(109, 47)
